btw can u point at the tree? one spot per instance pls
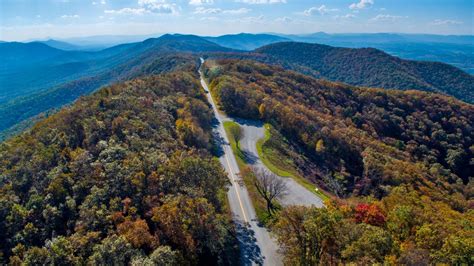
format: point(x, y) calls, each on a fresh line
point(236, 132)
point(308, 235)
point(270, 187)
point(369, 214)
point(164, 255)
point(113, 250)
point(370, 247)
point(37, 256)
point(137, 233)
point(320, 146)
point(192, 225)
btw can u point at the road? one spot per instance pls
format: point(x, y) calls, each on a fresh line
point(297, 194)
point(256, 244)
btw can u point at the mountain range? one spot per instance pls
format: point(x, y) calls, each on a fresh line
point(36, 77)
point(129, 174)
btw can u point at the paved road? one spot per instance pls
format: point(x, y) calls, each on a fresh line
point(297, 194)
point(256, 244)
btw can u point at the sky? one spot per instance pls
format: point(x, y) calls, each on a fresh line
point(40, 19)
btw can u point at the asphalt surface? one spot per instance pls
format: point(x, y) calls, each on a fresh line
point(297, 194)
point(256, 244)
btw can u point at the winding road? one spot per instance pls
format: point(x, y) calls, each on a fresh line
point(297, 194)
point(256, 244)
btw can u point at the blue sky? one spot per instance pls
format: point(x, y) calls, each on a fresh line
point(33, 19)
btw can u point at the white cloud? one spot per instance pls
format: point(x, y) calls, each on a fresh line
point(201, 2)
point(386, 17)
point(284, 19)
point(127, 11)
point(202, 10)
point(346, 16)
point(242, 10)
point(438, 22)
point(361, 4)
point(260, 2)
point(159, 6)
point(321, 10)
point(70, 16)
point(209, 18)
point(101, 2)
point(252, 19)
point(148, 6)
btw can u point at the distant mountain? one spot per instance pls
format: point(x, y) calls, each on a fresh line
point(381, 38)
point(246, 41)
point(61, 45)
point(374, 68)
point(456, 50)
point(16, 54)
point(99, 42)
point(71, 74)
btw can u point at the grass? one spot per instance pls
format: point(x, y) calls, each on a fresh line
point(272, 157)
point(247, 175)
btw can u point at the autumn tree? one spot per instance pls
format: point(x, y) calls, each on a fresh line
point(270, 187)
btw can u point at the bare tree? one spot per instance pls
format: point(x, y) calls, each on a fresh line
point(270, 187)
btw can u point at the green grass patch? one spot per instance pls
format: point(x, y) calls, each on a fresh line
point(282, 165)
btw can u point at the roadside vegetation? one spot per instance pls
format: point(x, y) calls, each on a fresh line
point(271, 150)
point(234, 134)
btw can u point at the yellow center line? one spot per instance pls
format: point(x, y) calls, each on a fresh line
point(204, 85)
point(235, 187)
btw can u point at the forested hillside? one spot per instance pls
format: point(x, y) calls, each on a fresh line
point(23, 108)
point(402, 160)
point(31, 91)
point(373, 68)
point(124, 176)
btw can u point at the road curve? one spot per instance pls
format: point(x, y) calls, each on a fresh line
point(297, 194)
point(256, 244)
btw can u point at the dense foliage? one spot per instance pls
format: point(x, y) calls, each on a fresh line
point(122, 176)
point(367, 143)
point(373, 68)
point(402, 229)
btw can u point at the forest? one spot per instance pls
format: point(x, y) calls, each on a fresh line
point(125, 176)
point(371, 67)
point(398, 163)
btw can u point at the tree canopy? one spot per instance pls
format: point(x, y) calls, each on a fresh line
point(124, 176)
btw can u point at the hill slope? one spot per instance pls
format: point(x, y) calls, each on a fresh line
point(124, 176)
point(374, 68)
point(16, 54)
point(402, 160)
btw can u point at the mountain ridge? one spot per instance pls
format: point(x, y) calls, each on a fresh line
point(374, 68)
